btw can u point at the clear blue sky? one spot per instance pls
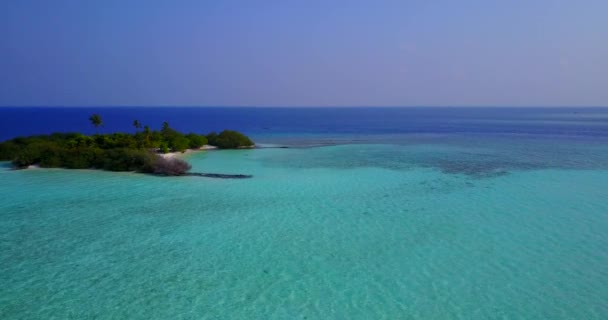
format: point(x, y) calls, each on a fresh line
point(304, 53)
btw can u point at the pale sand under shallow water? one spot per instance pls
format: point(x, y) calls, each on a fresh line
point(351, 231)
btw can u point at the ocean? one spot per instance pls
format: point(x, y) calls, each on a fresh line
point(364, 213)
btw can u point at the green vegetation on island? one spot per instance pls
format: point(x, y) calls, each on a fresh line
point(229, 139)
point(138, 152)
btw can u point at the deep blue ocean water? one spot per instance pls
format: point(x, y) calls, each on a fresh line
point(589, 122)
point(387, 213)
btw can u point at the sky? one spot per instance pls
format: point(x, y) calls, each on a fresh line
point(303, 53)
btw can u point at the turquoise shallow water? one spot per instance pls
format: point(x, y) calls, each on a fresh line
point(459, 230)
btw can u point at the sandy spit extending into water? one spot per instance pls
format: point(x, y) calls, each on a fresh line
point(170, 155)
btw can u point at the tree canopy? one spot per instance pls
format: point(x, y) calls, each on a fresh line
point(96, 120)
point(115, 151)
point(229, 139)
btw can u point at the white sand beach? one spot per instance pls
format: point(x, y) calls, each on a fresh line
point(170, 155)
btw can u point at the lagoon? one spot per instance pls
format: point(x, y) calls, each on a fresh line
point(339, 225)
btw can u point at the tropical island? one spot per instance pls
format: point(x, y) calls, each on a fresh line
point(143, 151)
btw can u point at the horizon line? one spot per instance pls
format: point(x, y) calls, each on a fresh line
point(301, 106)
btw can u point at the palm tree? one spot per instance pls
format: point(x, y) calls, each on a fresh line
point(147, 135)
point(166, 131)
point(96, 120)
point(137, 125)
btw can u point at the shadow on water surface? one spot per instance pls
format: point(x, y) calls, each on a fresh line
point(5, 165)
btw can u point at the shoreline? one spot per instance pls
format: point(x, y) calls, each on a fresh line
point(168, 156)
point(171, 155)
